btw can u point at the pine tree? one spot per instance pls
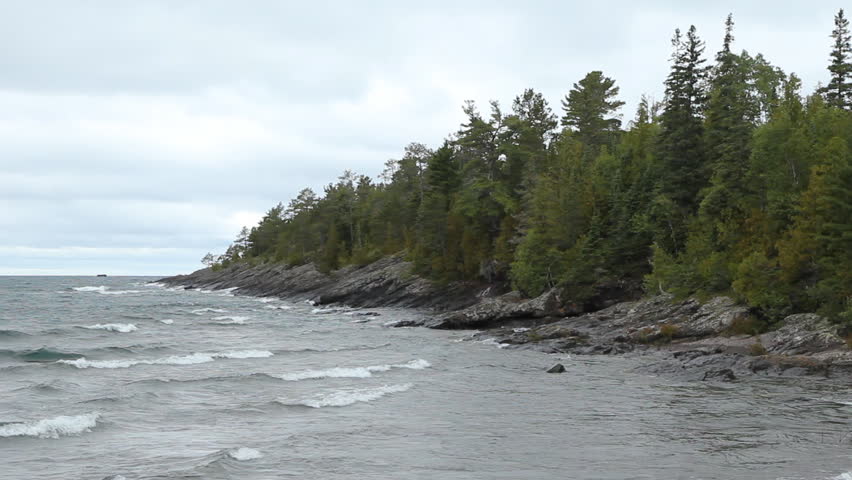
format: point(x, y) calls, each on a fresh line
point(590, 110)
point(838, 92)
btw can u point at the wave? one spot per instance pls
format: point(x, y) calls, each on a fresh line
point(13, 333)
point(52, 427)
point(105, 290)
point(353, 372)
point(244, 453)
point(202, 311)
point(114, 327)
point(40, 355)
point(843, 476)
point(326, 310)
point(167, 321)
point(190, 359)
point(278, 307)
point(231, 320)
point(342, 398)
point(266, 299)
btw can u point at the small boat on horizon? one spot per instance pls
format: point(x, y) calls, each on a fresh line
point(102, 274)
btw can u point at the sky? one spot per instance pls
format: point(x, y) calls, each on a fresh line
point(137, 136)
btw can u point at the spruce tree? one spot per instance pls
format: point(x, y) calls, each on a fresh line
point(838, 92)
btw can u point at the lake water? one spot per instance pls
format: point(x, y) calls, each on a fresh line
point(115, 378)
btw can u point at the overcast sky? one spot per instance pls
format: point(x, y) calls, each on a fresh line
point(137, 136)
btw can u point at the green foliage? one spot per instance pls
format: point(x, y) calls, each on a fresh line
point(735, 184)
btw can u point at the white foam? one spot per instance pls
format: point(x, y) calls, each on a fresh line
point(105, 290)
point(202, 311)
point(520, 330)
point(190, 359)
point(167, 321)
point(343, 398)
point(353, 372)
point(266, 299)
point(278, 307)
point(91, 289)
point(231, 320)
point(494, 342)
point(52, 427)
point(843, 476)
point(310, 302)
point(244, 453)
point(325, 310)
point(114, 327)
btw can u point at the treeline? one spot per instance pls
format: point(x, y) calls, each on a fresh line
point(735, 183)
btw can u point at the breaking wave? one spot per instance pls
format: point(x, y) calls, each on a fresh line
point(52, 427)
point(231, 320)
point(114, 327)
point(244, 453)
point(167, 321)
point(353, 372)
point(190, 359)
point(105, 290)
point(202, 311)
point(342, 398)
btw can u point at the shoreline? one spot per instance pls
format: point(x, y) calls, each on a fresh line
point(689, 339)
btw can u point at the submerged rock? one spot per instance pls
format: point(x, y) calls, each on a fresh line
point(558, 368)
point(725, 375)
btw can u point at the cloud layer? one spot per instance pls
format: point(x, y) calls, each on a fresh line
point(136, 136)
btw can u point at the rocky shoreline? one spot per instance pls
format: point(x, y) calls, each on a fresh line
point(709, 340)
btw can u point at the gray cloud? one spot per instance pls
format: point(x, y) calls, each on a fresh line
point(136, 136)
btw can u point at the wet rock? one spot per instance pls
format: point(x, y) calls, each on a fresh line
point(386, 282)
point(725, 375)
point(558, 368)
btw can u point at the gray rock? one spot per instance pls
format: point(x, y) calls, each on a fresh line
point(494, 311)
point(725, 375)
point(558, 368)
point(803, 333)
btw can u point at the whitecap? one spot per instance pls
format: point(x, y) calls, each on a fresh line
point(105, 290)
point(520, 330)
point(114, 327)
point(244, 453)
point(190, 359)
point(843, 476)
point(231, 320)
point(278, 307)
point(494, 342)
point(202, 311)
point(91, 289)
point(353, 372)
point(266, 299)
point(52, 427)
point(342, 398)
point(167, 321)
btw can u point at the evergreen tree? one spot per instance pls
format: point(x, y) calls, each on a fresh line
point(591, 110)
point(838, 92)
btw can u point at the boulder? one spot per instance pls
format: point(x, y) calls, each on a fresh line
point(558, 368)
point(725, 375)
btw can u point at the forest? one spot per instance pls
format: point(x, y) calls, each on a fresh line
point(735, 183)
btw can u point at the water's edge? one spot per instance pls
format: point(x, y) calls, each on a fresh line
point(689, 339)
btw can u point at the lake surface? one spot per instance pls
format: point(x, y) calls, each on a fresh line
point(115, 378)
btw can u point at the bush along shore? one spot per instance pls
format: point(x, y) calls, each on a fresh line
point(717, 339)
point(736, 189)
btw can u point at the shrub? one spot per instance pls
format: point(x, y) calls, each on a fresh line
point(747, 325)
point(757, 349)
point(668, 331)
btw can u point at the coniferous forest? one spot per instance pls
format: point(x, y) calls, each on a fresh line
point(736, 183)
